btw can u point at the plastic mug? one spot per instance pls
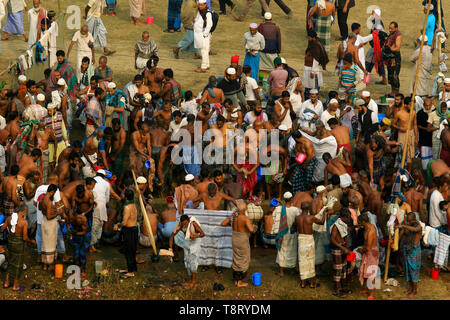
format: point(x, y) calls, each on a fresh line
point(367, 78)
point(149, 20)
point(256, 279)
point(383, 99)
point(148, 164)
point(58, 271)
point(98, 266)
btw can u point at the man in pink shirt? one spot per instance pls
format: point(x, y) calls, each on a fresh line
point(277, 79)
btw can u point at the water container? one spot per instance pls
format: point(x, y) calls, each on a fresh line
point(256, 279)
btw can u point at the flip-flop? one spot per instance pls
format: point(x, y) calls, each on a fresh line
point(9, 286)
point(20, 289)
point(123, 271)
point(218, 270)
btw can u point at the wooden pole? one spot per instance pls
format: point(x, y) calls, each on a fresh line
point(144, 213)
point(439, 27)
point(405, 146)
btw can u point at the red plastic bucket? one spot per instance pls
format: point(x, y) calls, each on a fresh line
point(434, 273)
point(351, 256)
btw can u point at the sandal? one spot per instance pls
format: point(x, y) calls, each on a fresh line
point(219, 270)
point(125, 276)
point(20, 289)
point(9, 286)
point(204, 269)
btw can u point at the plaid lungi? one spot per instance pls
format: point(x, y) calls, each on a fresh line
point(323, 30)
point(379, 168)
point(9, 207)
point(16, 248)
point(411, 261)
point(98, 31)
point(111, 4)
point(339, 265)
point(174, 14)
point(302, 176)
point(80, 246)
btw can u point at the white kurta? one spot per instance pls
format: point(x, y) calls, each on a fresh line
point(306, 112)
point(48, 41)
point(287, 255)
point(33, 22)
point(425, 71)
point(316, 70)
point(202, 37)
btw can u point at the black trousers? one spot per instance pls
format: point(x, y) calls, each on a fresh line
point(130, 238)
point(393, 69)
point(281, 4)
point(222, 4)
point(239, 275)
point(342, 22)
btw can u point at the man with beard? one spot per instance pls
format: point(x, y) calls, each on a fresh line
point(140, 96)
point(202, 36)
point(117, 154)
point(316, 60)
point(231, 88)
point(256, 115)
point(143, 50)
point(115, 104)
point(400, 123)
point(392, 46)
point(254, 42)
point(366, 118)
point(171, 90)
point(69, 170)
point(310, 111)
point(75, 146)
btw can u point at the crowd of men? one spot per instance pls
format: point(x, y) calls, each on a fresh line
point(335, 181)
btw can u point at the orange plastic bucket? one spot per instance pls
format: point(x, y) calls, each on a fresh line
point(58, 271)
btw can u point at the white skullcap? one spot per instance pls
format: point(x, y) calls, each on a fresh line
point(111, 85)
point(283, 60)
point(447, 80)
point(283, 127)
point(22, 78)
point(333, 101)
point(61, 82)
point(141, 180)
point(268, 16)
point(40, 97)
point(231, 71)
point(51, 106)
point(346, 183)
point(253, 25)
point(448, 104)
point(431, 7)
point(287, 195)
point(365, 94)
point(189, 177)
point(101, 171)
point(320, 189)
point(377, 12)
point(201, 1)
point(360, 102)
point(426, 39)
point(314, 91)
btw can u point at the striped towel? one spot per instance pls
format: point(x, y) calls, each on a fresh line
point(216, 247)
point(283, 229)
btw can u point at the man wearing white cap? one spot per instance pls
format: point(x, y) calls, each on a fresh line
point(253, 42)
point(310, 111)
point(425, 68)
point(331, 112)
point(115, 104)
point(184, 195)
point(62, 102)
point(202, 36)
point(370, 103)
point(286, 234)
point(272, 38)
point(444, 95)
point(248, 5)
point(431, 25)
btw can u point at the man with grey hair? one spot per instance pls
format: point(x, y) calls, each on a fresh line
point(143, 50)
point(331, 112)
point(85, 47)
point(286, 234)
point(253, 42)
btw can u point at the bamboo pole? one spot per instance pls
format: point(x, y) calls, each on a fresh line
point(144, 213)
point(405, 146)
point(439, 27)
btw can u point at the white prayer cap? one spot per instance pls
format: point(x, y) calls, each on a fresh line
point(333, 101)
point(287, 195)
point(231, 71)
point(189, 177)
point(40, 97)
point(51, 106)
point(283, 127)
point(431, 7)
point(314, 91)
point(61, 82)
point(365, 94)
point(253, 25)
point(201, 1)
point(377, 12)
point(101, 171)
point(320, 189)
point(283, 60)
point(111, 85)
point(141, 180)
point(426, 39)
point(268, 16)
point(346, 183)
point(22, 78)
point(447, 80)
point(360, 102)
point(448, 104)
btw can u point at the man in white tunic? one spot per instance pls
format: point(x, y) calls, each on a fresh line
point(425, 69)
point(284, 227)
point(35, 15)
point(85, 47)
point(370, 103)
point(48, 39)
point(202, 35)
point(310, 111)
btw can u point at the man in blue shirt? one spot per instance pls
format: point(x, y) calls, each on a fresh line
point(431, 24)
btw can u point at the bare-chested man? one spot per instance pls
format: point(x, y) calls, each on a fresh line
point(18, 234)
point(117, 149)
point(400, 122)
point(90, 152)
point(13, 124)
point(206, 179)
point(370, 256)
point(153, 77)
point(232, 189)
point(158, 139)
point(342, 135)
point(303, 173)
point(306, 249)
point(208, 94)
point(74, 146)
point(353, 50)
point(373, 199)
point(242, 228)
point(69, 170)
point(205, 114)
point(415, 200)
point(164, 116)
point(350, 193)
point(70, 189)
point(13, 188)
point(27, 163)
point(144, 236)
point(337, 166)
point(325, 11)
point(168, 220)
point(171, 90)
point(4, 103)
point(301, 197)
point(212, 199)
point(445, 150)
point(77, 226)
point(142, 90)
point(140, 152)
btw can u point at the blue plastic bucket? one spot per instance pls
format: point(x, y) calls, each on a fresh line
point(256, 279)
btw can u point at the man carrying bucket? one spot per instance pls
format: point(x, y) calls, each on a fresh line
point(242, 227)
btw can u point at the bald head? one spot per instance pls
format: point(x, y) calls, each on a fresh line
point(84, 30)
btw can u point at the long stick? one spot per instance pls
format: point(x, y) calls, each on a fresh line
point(439, 27)
point(144, 212)
point(405, 146)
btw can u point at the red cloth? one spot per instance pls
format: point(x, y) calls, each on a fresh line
point(445, 155)
point(376, 50)
point(235, 59)
point(247, 183)
point(348, 148)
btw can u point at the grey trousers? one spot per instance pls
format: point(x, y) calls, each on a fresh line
point(237, 98)
point(249, 4)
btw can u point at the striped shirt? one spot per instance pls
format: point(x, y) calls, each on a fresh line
point(348, 78)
